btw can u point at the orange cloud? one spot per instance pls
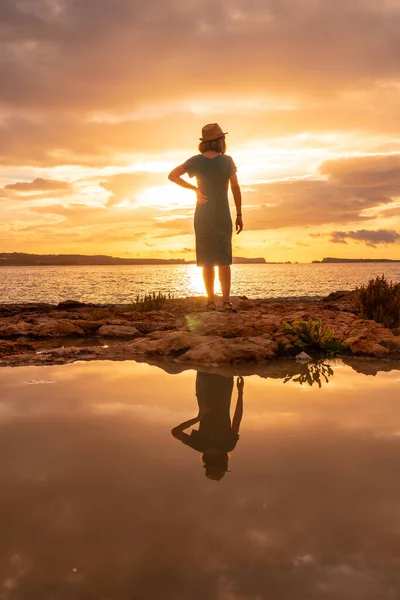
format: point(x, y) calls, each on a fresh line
point(39, 185)
point(110, 95)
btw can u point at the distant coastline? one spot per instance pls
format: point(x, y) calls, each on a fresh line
point(20, 259)
point(355, 260)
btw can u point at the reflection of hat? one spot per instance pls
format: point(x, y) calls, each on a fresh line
point(212, 132)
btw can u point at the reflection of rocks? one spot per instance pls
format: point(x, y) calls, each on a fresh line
point(371, 366)
point(182, 331)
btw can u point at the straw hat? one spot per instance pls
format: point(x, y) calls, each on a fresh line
point(212, 132)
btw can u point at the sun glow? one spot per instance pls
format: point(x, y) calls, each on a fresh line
point(166, 197)
point(197, 283)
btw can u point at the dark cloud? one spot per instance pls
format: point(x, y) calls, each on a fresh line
point(369, 238)
point(96, 54)
point(300, 203)
point(39, 185)
point(366, 171)
point(65, 62)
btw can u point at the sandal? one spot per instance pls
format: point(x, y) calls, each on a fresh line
point(228, 307)
point(211, 306)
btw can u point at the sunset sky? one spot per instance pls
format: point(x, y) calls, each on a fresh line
point(100, 99)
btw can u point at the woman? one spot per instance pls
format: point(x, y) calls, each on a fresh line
point(214, 171)
point(217, 434)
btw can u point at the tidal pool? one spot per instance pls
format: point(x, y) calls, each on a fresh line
point(107, 495)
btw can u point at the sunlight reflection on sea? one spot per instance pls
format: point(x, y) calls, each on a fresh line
point(121, 284)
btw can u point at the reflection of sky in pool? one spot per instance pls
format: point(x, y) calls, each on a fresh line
point(99, 500)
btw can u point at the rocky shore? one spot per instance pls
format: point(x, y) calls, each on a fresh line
point(184, 332)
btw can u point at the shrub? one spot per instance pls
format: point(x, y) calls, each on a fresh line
point(144, 303)
point(149, 302)
point(312, 334)
point(379, 300)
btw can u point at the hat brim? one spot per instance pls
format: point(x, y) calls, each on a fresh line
point(215, 137)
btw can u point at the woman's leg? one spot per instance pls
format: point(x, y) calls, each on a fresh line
point(209, 277)
point(224, 272)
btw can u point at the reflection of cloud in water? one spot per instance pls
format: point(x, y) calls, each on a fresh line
point(310, 509)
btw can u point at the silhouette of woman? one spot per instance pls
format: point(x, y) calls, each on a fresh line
point(217, 434)
point(214, 172)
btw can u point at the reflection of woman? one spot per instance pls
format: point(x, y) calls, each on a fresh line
point(217, 434)
point(214, 171)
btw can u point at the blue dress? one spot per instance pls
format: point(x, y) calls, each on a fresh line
point(212, 221)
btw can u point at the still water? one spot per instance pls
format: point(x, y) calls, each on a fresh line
point(100, 500)
point(120, 284)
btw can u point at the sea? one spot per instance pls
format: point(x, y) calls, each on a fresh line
point(121, 284)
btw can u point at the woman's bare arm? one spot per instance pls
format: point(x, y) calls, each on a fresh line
point(179, 431)
point(176, 177)
point(237, 196)
point(237, 417)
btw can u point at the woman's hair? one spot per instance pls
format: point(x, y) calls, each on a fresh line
point(215, 464)
point(218, 145)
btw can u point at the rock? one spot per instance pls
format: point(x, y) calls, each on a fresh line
point(338, 295)
point(284, 344)
point(68, 328)
point(156, 335)
point(72, 304)
point(231, 325)
point(185, 332)
point(9, 331)
point(225, 351)
point(396, 331)
point(369, 338)
point(368, 348)
point(46, 327)
point(119, 331)
point(8, 347)
point(267, 324)
point(88, 326)
point(117, 322)
point(303, 357)
point(24, 327)
point(191, 347)
point(173, 343)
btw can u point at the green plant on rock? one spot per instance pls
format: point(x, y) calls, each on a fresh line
point(314, 335)
point(379, 300)
point(313, 372)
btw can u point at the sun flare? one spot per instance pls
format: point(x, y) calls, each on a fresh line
point(166, 197)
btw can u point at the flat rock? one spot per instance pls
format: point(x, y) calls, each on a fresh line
point(118, 331)
point(9, 330)
point(192, 347)
point(232, 324)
